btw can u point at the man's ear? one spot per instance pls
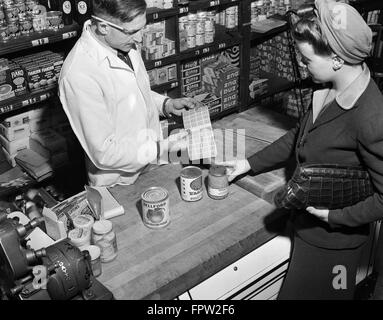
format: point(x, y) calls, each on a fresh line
point(337, 63)
point(102, 28)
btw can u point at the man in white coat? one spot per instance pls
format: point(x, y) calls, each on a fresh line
point(105, 91)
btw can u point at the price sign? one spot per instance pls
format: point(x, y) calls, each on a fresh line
point(30, 101)
point(184, 10)
point(39, 42)
point(222, 45)
point(6, 108)
point(155, 16)
point(174, 84)
point(197, 52)
point(158, 63)
point(214, 3)
point(205, 50)
point(70, 34)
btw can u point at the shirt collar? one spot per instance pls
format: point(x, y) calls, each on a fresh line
point(349, 96)
point(97, 48)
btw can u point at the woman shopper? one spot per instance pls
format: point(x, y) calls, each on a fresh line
point(343, 126)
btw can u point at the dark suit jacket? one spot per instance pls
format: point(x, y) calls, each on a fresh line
point(338, 136)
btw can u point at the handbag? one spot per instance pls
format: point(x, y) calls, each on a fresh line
point(326, 186)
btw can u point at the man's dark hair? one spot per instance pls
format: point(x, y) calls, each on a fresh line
point(124, 10)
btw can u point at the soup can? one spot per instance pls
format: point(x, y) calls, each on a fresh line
point(155, 207)
point(191, 183)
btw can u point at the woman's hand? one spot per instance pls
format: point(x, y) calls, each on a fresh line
point(235, 167)
point(322, 214)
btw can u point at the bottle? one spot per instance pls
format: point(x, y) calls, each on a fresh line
point(218, 183)
point(105, 238)
point(82, 11)
point(66, 7)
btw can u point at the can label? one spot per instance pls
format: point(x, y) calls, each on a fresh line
point(155, 207)
point(191, 183)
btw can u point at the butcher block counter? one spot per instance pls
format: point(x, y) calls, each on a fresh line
point(202, 237)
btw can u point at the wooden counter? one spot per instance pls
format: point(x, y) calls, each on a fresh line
point(202, 238)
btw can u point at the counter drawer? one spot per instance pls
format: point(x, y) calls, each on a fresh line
point(235, 277)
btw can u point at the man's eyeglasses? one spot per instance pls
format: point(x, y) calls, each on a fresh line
point(123, 30)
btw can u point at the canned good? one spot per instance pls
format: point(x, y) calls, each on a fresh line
point(200, 26)
point(11, 12)
point(191, 183)
point(105, 238)
point(29, 5)
point(230, 21)
point(155, 207)
point(209, 26)
point(191, 29)
point(7, 3)
point(2, 15)
point(218, 183)
point(182, 21)
point(38, 23)
point(4, 33)
point(21, 9)
point(13, 28)
point(200, 39)
point(209, 37)
point(26, 26)
point(191, 41)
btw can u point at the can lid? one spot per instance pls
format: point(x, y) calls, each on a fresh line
point(83, 221)
point(191, 172)
point(94, 251)
point(102, 226)
point(217, 170)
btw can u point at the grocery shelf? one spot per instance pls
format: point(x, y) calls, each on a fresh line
point(262, 36)
point(39, 38)
point(155, 14)
point(27, 99)
point(224, 38)
point(194, 6)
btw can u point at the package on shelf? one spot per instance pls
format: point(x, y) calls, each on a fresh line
point(42, 70)
point(255, 66)
point(154, 43)
point(213, 102)
point(163, 74)
point(292, 102)
point(220, 77)
point(258, 87)
point(191, 70)
point(16, 120)
point(13, 133)
point(14, 146)
point(12, 80)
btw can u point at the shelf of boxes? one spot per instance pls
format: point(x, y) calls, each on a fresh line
point(27, 100)
point(36, 39)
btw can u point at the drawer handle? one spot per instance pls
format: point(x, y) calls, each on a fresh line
point(235, 268)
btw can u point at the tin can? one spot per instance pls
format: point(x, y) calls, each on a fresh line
point(230, 21)
point(200, 39)
point(191, 29)
point(4, 33)
point(209, 26)
point(191, 41)
point(191, 183)
point(13, 27)
point(155, 207)
point(209, 37)
point(11, 12)
point(26, 26)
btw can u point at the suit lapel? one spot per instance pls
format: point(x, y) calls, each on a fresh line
point(332, 112)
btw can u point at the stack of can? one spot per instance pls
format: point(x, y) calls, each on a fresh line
point(198, 28)
point(16, 18)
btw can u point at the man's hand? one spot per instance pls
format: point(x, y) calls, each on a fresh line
point(178, 106)
point(322, 214)
point(235, 167)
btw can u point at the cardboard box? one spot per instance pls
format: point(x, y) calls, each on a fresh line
point(12, 81)
point(16, 120)
point(14, 146)
point(13, 133)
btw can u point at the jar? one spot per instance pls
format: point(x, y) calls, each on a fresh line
point(95, 260)
point(218, 183)
point(79, 237)
point(105, 238)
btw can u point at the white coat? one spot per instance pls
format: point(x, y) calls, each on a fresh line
point(112, 110)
